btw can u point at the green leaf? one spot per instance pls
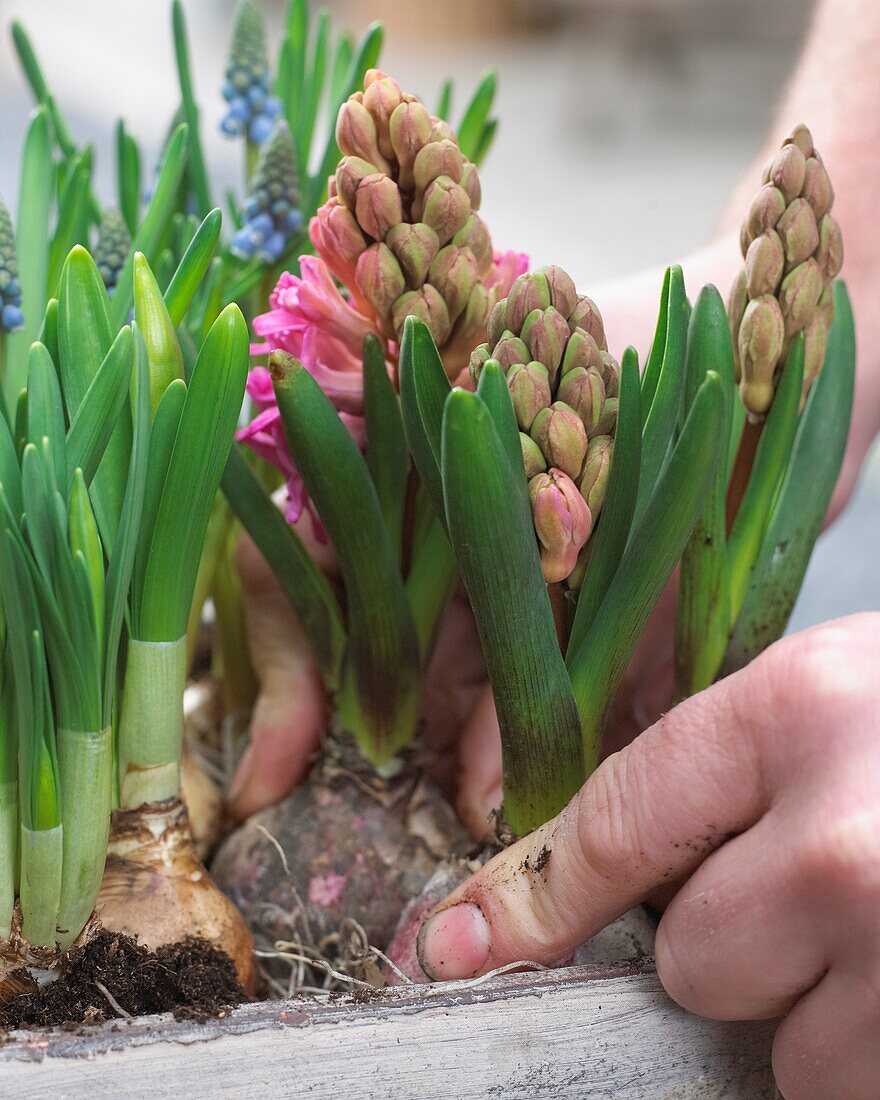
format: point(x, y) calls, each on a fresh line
point(193, 267)
point(615, 523)
point(48, 334)
point(86, 542)
point(204, 438)
point(71, 216)
point(771, 462)
point(598, 664)
point(654, 362)
point(379, 698)
point(424, 388)
point(803, 500)
point(661, 411)
point(476, 116)
point(156, 327)
point(46, 409)
point(10, 476)
point(702, 623)
point(315, 81)
point(34, 76)
point(444, 100)
point(495, 395)
point(197, 174)
point(342, 59)
point(305, 585)
point(387, 454)
point(32, 238)
point(490, 526)
point(100, 409)
point(292, 70)
point(148, 238)
point(128, 176)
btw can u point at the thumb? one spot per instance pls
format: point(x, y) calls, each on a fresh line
point(649, 815)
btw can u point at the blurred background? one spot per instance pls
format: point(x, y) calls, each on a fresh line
point(624, 125)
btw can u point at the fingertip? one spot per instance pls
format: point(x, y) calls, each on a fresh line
point(454, 943)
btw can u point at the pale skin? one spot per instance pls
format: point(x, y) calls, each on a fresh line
point(754, 806)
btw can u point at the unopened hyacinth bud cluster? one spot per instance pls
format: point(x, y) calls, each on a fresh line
point(114, 244)
point(793, 250)
point(271, 215)
point(550, 342)
point(401, 228)
point(252, 109)
point(11, 317)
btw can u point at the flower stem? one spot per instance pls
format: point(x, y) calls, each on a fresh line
point(40, 887)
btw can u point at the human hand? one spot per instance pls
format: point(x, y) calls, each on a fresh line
point(763, 794)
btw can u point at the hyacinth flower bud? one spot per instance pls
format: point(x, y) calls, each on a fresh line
point(586, 316)
point(410, 130)
point(608, 417)
point(534, 462)
point(416, 247)
point(497, 323)
point(272, 215)
point(546, 334)
point(251, 110)
point(427, 304)
point(446, 208)
point(510, 350)
point(597, 466)
point(441, 130)
point(350, 173)
point(437, 158)
point(338, 238)
point(378, 206)
point(560, 433)
point(382, 97)
point(114, 244)
point(761, 340)
point(528, 293)
point(379, 278)
point(356, 134)
point(584, 391)
point(817, 188)
point(610, 371)
point(529, 386)
point(454, 273)
point(563, 292)
point(790, 211)
point(479, 358)
point(581, 351)
point(765, 264)
point(475, 236)
point(11, 317)
point(562, 523)
point(470, 181)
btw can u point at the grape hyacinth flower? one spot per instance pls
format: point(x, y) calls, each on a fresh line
point(114, 244)
point(272, 214)
point(11, 317)
point(252, 109)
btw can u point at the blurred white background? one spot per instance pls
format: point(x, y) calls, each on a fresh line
point(624, 124)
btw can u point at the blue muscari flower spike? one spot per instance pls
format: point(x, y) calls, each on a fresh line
point(114, 244)
point(271, 214)
point(11, 317)
point(252, 110)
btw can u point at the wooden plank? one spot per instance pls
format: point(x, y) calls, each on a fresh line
point(578, 1032)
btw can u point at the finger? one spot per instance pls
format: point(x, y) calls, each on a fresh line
point(290, 709)
point(827, 1045)
point(479, 791)
point(649, 815)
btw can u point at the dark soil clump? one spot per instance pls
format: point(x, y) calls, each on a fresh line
point(113, 977)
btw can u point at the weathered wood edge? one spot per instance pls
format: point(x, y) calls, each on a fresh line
point(89, 1040)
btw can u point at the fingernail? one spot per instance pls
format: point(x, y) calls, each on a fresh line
point(242, 775)
point(454, 943)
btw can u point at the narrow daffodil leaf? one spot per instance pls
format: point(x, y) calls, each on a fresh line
point(654, 361)
point(424, 388)
point(32, 237)
point(46, 409)
point(387, 454)
point(662, 413)
point(768, 470)
point(702, 623)
point(342, 59)
point(198, 175)
point(85, 541)
point(802, 503)
point(10, 474)
point(72, 207)
point(148, 238)
point(379, 698)
point(598, 665)
point(314, 84)
point(489, 133)
point(615, 522)
point(292, 71)
point(476, 116)
point(444, 100)
point(34, 76)
point(99, 411)
point(490, 527)
point(193, 267)
point(201, 448)
point(48, 334)
point(305, 585)
point(128, 177)
point(156, 327)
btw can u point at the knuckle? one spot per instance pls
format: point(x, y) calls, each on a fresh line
point(608, 842)
point(842, 852)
